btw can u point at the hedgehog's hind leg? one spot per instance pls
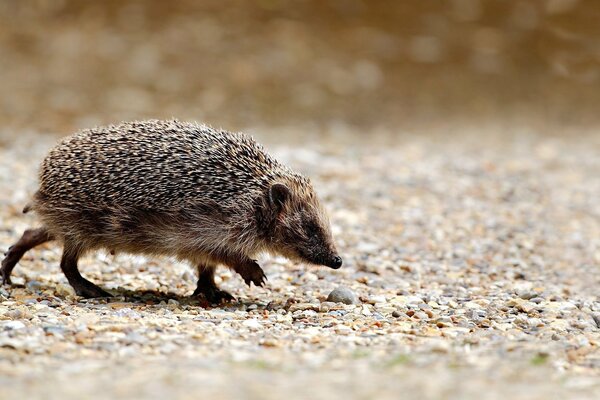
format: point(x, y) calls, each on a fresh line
point(30, 239)
point(208, 288)
point(68, 264)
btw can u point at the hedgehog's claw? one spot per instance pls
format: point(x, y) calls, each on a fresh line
point(254, 275)
point(88, 290)
point(213, 294)
point(4, 279)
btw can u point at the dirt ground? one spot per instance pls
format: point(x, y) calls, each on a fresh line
point(475, 263)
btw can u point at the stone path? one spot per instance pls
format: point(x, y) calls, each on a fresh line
point(475, 263)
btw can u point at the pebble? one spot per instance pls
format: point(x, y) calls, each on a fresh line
point(54, 330)
point(14, 314)
point(443, 322)
point(377, 299)
point(127, 312)
point(12, 325)
point(34, 285)
point(420, 315)
point(526, 294)
point(535, 322)
point(252, 324)
point(596, 318)
point(304, 307)
point(342, 295)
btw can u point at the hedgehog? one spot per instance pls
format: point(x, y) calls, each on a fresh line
point(179, 189)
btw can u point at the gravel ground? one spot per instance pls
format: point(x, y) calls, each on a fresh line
point(475, 266)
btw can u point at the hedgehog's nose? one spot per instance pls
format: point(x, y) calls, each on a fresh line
point(336, 262)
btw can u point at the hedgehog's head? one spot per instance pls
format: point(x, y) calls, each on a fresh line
point(299, 227)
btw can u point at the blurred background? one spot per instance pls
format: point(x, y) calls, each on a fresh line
point(320, 66)
point(455, 144)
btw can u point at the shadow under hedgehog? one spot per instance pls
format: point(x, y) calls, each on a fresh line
point(174, 188)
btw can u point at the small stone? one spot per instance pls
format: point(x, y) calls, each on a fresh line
point(396, 314)
point(596, 318)
point(127, 312)
point(526, 294)
point(377, 299)
point(563, 306)
point(535, 322)
point(64, 290)
point(13, 325)
point(252, 324)
point(485, 323)
point(326, 306)
point(188, 276)
point(452, 332)
point(443, 322)
point(34, 286)
point(54, 330)
point(440, 346)
point(521, 320)
point(408, 300)
point(521, 305)
point(15, 314)
point(472, 315)
point(471, 305)
point(420, 315)
point(537, 300)
point(559, 325)
point(342, 295)
point(343, 329)
point(135, 337)
point(304, 307)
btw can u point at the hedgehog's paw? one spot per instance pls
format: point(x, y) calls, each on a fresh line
point(213, 294)
point(4, 277)
point(87, 289)
point(253, 273)
point(7, 266)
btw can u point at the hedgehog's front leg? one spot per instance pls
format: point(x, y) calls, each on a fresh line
point(208, 288)
point(250, 271)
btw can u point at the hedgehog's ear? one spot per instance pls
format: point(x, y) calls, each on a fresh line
point(278, 195)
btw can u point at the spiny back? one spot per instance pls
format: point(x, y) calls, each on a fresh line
point(157, 165)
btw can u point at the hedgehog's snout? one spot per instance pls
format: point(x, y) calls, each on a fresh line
point(335, 263)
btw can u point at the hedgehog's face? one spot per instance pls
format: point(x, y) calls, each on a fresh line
point(301, 229)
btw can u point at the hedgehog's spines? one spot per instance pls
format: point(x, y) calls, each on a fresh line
point(188, 182)
point(175, 162)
